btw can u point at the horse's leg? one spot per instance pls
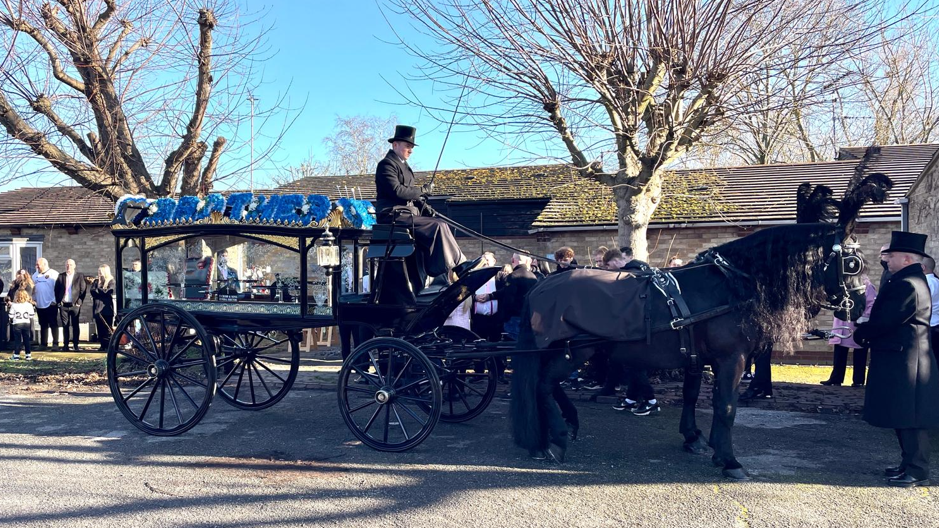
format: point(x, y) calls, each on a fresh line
point(688, 427)
point(727, 372)
point(568, 411)
point(555, 369)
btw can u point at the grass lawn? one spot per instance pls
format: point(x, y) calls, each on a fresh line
point(810, 375)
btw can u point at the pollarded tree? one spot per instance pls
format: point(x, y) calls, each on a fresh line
point(641, 80)
point(121, 96)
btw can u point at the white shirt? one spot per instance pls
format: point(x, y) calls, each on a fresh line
point(488, 307)
point(44, 292)
point(68, 287)
point(933, 282)
point(21, 313)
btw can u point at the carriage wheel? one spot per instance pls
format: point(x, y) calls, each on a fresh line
point(389, 394)
point(468, 385)
point(161, 369)
point(256, 369)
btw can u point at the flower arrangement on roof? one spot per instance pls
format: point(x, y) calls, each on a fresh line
point(160, 211)
point(359, 213)
point(288, 210)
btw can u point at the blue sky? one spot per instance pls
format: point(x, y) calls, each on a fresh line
point(336, 54)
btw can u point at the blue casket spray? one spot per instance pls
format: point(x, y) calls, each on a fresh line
point(359, 213)
point(160, 211)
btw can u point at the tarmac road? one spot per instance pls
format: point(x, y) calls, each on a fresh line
point(72, 460)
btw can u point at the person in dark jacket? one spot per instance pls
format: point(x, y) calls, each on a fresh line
point(512, 297)
point(70, 291)
point(102, 295)
point(398, 198)
point(565, 259)
point(903, 380)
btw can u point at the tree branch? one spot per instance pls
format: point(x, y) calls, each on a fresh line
point(204, 87)
point(126, 28)
point(110, 7)
point(35, 34)
point(43, 105)
point(208, 175)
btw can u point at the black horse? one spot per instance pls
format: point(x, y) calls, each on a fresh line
point(741, 295)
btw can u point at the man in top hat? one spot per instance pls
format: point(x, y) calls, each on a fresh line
point(399, 198)
point(903, 381)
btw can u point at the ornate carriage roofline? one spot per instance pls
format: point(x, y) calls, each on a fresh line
point(134, 212)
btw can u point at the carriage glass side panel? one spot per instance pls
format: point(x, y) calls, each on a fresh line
point(131, 274)
point(324, 276)
point(226, 273)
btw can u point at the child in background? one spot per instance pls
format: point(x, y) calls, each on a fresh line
point(21, 316)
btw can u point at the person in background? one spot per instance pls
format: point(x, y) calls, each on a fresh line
point(21, 318)
point(598, 256)
point(903, 382)
point(885, 276)
point(565, 259)
point(761, 386)
point(929, 268)
point(675, 262)
point(102, 295)
point(22, 281)
point(842, 344)
point(70, 291)
point(512, 297)
point(44, 280)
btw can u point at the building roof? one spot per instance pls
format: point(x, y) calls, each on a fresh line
point(54, 205)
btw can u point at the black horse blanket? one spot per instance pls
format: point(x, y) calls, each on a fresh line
point(607, 304)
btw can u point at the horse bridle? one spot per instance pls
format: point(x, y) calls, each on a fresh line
point(849, 264)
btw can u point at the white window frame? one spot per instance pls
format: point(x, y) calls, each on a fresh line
point(15, 244)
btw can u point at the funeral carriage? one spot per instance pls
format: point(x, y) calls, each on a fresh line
point(214, 295)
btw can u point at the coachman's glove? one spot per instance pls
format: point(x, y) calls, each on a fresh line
point(427, 188)
point(427, 210)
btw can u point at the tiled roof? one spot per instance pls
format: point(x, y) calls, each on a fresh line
point(53, 205)
point(501, 183)
point(752, 193)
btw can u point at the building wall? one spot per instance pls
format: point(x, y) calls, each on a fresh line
point(924, 208)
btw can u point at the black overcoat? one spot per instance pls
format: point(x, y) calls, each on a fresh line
point(394, 184)
point(903, 381)
point(103, 301)
point(79, 288)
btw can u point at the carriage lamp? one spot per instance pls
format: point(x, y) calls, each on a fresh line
point(327, 252)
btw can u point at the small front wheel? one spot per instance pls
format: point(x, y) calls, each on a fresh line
point(389, 394)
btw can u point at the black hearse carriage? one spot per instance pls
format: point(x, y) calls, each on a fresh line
point(213, 295)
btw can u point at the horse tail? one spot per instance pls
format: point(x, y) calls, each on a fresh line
point(527, 429)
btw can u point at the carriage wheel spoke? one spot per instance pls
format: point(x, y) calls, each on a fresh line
point(179, 416)
point(186, 394)
point(133, 358)
point(387, 423)
point(193, 380)
point(162, 401)
point(470, 387)
point(134, 373)
point(282, 380)
point(183, 351)
point(416, 417)
point(350, 388)
point(263, 383)
point(138, 389)
point(374, 363)
point(372, 420)
point(462, 395)
point(403, 370)
point(274, 359)
point(400, 422)
point(146, 327)
point(147, 404)
point(251, 384)
point(241, 376)
point(416, 399)
point(369, 377)
point(139, 345)
point(364, 405)
point(409, 386)
point(187, 364)
point(227, 360)
point(163, 334)
point(268, 347)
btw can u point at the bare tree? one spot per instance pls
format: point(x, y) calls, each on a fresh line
point(128, 97)
point(358, 142)
point(639, 80)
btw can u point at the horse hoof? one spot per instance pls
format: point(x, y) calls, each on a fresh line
point(696, 448)
point(573, 435)
point(736, 474)
point(537, 454)
point(556, 453)
point(717, 462)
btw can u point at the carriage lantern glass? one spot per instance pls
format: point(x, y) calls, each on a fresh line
point(327, 252)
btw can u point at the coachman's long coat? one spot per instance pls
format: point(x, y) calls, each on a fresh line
point(903, 382)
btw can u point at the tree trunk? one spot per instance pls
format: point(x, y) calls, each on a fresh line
point(634, 211)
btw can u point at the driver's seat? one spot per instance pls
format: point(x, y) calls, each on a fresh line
point(394, 264)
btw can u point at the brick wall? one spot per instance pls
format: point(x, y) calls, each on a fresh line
point(924, 208)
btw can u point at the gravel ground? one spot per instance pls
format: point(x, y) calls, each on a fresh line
point(70, 459)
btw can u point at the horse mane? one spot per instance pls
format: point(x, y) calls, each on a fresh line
point(785, 262)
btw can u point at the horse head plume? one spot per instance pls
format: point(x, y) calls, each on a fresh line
point(872, 188)
point(815, 205)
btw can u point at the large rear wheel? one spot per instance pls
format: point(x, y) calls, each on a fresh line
point(468, 385)
point(256, 369)
point(161, 369)
point(389, 394)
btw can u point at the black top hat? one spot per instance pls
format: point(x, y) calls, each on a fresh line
point(404, 133)
point(906, 242)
